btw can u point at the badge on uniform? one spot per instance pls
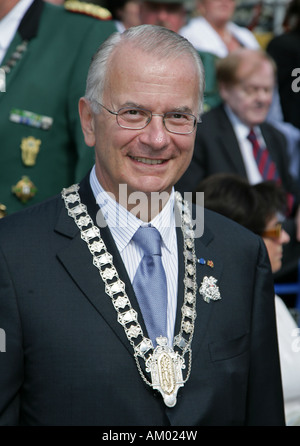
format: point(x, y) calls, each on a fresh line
point(24, 189)
point(31, 119)
point(209, 290)
point(2, 210)
point(30, 148)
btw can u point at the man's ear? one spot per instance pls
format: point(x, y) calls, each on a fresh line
point(87, 121)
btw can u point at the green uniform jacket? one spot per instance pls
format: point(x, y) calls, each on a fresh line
point(211, 93)
point(47, 81)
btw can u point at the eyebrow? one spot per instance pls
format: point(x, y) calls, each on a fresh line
point(183, 109)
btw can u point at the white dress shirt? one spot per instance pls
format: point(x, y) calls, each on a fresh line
point(124, 224)
point(9, 25)
point(242, 131)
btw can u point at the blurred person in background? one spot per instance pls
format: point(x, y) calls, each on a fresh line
point(214, 31)
point(42, 146)
point(235, 137)
point(125, 13)
point(173, 14)
point(214, 34)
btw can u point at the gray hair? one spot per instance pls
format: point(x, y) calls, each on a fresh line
point(155, 40)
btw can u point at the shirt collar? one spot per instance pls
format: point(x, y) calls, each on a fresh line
point(123, 224)
point(10, 23)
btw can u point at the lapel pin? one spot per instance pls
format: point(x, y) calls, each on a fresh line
point(206, 262)
point(209, 289)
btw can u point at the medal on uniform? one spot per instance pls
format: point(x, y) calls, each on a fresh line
point(30, 148)
point(24, 189)
point(2, 210)
point(31, 119)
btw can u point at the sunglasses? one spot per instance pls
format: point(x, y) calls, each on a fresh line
point(273, 232)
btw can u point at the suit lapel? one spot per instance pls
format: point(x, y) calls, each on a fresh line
point(228, 140)
point(203, 250)
point(271, 142)
point(27, 30)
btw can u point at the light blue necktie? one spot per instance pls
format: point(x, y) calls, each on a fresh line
point(150, 284)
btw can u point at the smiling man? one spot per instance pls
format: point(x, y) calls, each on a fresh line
point(136, 322)
point(143, 137)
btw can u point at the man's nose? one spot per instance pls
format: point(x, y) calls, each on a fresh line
point(264, 95)
point(156, 134)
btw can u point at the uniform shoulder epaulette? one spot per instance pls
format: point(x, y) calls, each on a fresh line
point(88, 9)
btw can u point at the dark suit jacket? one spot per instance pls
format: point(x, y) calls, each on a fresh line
point(48, 80)
point(68, 361)
point(217, 150)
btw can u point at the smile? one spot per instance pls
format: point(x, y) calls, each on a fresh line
point(147, 160)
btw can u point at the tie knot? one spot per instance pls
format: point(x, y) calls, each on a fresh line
point(252, 136)
point(148, 238)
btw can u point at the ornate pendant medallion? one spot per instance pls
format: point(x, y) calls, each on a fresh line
point(166, 367)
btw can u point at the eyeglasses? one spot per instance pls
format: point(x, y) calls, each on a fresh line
point(135, 118)
point(273, 232)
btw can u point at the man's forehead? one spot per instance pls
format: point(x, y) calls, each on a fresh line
point(249, 68)
point(127, 52)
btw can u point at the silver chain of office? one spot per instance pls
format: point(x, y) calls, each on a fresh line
point(164, 364)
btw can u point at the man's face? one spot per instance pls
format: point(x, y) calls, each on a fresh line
point(251, 97)
point(169, 15)
point(217, 12)
point(151, 159)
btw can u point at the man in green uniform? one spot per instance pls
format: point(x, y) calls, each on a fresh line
point(45, 52)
